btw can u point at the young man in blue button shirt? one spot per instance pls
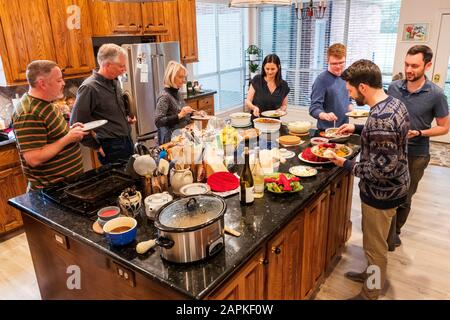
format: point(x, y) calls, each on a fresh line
point(425, 101)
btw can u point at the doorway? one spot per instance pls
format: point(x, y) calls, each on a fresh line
point(441, 70)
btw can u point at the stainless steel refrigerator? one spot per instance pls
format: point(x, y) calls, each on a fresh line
point(144, 79)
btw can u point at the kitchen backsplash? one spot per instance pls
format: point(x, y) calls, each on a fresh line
point(9, 93)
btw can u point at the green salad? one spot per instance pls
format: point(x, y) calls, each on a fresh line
point(282, 183)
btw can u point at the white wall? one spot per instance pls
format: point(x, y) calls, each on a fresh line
point(419, 11)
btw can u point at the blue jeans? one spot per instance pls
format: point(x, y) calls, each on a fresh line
point(115, 149)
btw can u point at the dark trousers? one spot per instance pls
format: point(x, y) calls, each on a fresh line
point(416, 166)
point(116, 149)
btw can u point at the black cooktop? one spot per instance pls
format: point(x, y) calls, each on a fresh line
point(90, 191)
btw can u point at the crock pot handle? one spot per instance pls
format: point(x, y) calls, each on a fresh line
point(164, 242)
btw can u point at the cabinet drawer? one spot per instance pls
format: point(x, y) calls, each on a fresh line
point(209, 111)
point(9, 157)
point(206, 103)
point(193, 104)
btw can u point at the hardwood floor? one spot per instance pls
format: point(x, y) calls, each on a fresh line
point(419, 269)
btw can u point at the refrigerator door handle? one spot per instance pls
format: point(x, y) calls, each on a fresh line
point(156, 61)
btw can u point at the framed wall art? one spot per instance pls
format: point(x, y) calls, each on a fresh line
point(416, 32)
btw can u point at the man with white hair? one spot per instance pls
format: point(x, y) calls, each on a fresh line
point(100, 97)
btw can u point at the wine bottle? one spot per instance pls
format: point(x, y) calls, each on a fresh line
point(258, 176)
point(246, 182)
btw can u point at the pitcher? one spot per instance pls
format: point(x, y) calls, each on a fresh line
point(179, 178)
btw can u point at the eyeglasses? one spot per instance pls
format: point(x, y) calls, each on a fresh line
point(337, 63)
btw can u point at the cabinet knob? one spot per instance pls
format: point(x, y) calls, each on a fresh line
point(263, 261)
point(276, 250)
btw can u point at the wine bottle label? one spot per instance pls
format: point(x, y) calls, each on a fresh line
point(249, 198)
point(249, 195)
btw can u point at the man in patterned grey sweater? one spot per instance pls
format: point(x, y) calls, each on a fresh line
point(382, 169)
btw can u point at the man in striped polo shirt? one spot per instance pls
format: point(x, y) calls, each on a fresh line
point(48, 148)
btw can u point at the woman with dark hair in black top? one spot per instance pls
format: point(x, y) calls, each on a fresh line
point(268, 91)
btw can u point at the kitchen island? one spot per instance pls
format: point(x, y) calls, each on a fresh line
point(288, 245)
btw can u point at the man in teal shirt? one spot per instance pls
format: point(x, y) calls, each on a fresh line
point(425, 102)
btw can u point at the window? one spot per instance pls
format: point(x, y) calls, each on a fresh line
point(367, 27)
point(220, 34)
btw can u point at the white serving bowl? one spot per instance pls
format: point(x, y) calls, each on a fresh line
point(240, 119)
point(267, 124)
point(299, 126)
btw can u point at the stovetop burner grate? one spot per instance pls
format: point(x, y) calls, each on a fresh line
point(62, 193)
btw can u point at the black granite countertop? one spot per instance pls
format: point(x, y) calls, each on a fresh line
point(203, 93)
point(256, 223)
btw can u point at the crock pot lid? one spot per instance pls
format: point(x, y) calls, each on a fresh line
point(191, 211)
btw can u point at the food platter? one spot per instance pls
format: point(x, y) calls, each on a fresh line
point(323, 150)
point(300, 156)
point(358, 114)
point(303, 171)
point(274, 113)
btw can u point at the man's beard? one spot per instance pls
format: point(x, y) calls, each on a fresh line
point(417, 77)
point(359, 99)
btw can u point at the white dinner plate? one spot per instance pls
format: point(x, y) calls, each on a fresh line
point(94, 124)
point(200, 117)
point(273, 113)
point(288, 154)
point(355, 115)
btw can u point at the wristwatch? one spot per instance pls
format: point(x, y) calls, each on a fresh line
point(420, 133)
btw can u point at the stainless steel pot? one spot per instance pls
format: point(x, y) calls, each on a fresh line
point(191, 229)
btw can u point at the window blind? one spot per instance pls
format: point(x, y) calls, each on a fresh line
point(220, 34)
point(367, 27)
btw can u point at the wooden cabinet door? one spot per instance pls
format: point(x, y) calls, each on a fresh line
point(284, 255)
point(207, 104)
point(27, 34)
point(171, 21)
point(100, 18)
point(348, 210)
point(247, 284)
point(188, 30)
point(75, 54)
point(153, 18)
point(314, 243)
point(126, 18)
point(13, 184)
point(335, 217)
point(115, 18)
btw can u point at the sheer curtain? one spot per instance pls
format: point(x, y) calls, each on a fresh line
point(221, 33)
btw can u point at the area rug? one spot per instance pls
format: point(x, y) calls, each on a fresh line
point(440, 154)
